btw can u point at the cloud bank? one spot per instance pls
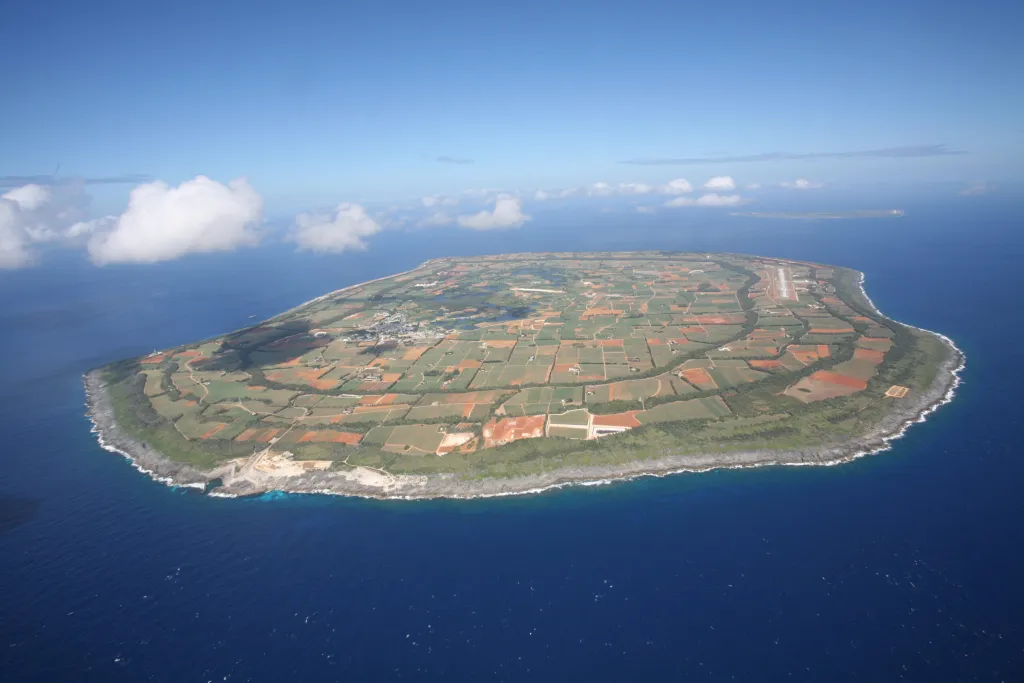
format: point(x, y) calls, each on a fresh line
point(344, 229)
point(903, 152)
point(720, 183)
point(710, 199)
point(50, 180)
point(507, 213)
point(163, 222)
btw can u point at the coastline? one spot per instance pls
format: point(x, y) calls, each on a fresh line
point(419, 487)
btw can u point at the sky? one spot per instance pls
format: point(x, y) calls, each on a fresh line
point(325, 112)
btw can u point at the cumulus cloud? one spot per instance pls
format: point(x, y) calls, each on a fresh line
point(507, 213)
point(801, 184)
point(600, 190)
point(720, 183)
point(33, 214)
point(635, 188)
point(14, 238)
point(29, 197)
point(678, 186)
point(976, 188)
point(163, 223)
point(710, 199)
point(344, 229)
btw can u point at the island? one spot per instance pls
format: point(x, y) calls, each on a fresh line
point(516, 373)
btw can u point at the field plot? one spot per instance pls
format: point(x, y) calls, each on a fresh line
point(709, 408)
point(542, 400)
point(634, 390)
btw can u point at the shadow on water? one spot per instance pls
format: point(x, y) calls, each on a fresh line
point(15, 512)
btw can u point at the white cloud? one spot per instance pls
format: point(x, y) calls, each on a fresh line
point(431, 201)
point(720, 183)
point(678, 186)
point(801, 184)
point(714, 199)
point(635, 188)
point(508, 213)
point(645, 209)
point(344, 229)
point(29, 197)
point(163, 223)
point(14, 238)
point(32, 214)
point(436, 219)
point(976, 188)
point(541, 195)
point(83, 228)
point(600, 190)
point(711, 199)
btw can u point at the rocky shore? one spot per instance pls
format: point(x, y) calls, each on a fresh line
point(364, 482)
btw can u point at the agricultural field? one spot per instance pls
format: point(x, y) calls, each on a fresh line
point(462, 360)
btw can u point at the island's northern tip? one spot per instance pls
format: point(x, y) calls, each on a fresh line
point(515, 373)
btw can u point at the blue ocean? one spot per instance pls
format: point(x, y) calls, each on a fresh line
point(904, 566)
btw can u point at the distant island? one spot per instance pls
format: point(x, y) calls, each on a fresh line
point(829, 215)
point(514, 373)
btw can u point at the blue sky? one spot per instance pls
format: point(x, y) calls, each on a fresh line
point(317, 103)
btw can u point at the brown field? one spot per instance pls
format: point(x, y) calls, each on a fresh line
point(330, 436)
point(246, 435)
point(215, 430)
point(842, 380)
point(627, 419)
point(831, 330)
point(699, 378)
point(875, 357)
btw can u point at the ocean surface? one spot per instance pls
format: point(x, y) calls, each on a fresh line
point(902, 566)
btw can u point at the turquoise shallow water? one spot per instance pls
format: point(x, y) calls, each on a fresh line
point(903, 566)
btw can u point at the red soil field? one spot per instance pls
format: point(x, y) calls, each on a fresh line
point(765, 363)
point(213, 431)
point(246, 435)
point(875, 357)
point(349, 438)
point(700, 378)
point(842, 380)
point(617, 420)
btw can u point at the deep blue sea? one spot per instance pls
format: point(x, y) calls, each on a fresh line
point(903, 566)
